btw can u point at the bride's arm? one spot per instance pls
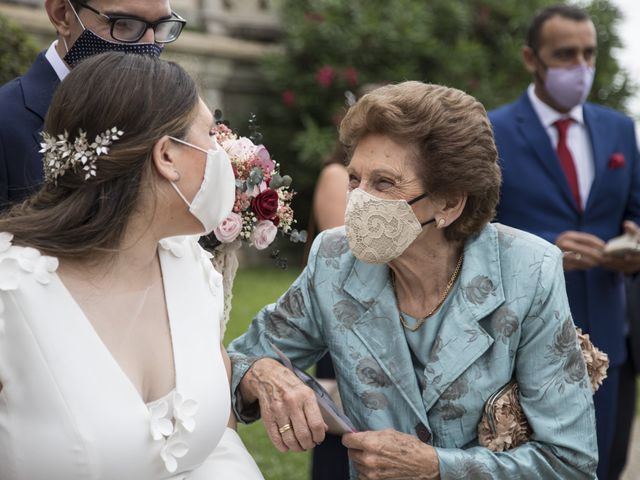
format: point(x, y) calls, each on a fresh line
point(232, 423)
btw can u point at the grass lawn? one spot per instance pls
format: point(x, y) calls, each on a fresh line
point(253, 289)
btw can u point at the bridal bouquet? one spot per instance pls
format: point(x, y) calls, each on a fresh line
point(262, 206)
point(263, 196)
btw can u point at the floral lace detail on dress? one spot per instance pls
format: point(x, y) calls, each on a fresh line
point(171, 418)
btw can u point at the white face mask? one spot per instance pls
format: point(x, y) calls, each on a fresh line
point(214, 201)
point(379, 230)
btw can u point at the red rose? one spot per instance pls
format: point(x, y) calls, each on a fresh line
point(616, 161)
point(265, 205)
point(288, 98)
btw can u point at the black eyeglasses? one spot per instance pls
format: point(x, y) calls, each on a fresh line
point(131, 29)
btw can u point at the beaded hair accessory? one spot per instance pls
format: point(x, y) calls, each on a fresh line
point(61, 155)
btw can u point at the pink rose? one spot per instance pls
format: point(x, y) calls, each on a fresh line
point(229, 229)
point(325, 76)
point(263, 234)
point(264, 159)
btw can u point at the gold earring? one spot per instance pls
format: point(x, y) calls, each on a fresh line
point(441, 223)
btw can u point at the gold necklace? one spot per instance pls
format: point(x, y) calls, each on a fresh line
point(443, 297)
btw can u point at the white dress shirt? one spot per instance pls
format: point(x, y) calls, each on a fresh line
point(56, 62)
point(578, 140)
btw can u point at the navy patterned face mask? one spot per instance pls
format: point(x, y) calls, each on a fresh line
point(88, 44)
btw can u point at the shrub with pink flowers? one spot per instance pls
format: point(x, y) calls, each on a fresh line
point(330, 49)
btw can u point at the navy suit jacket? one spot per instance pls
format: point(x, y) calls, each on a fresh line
point(536, 197)
point(24, 102)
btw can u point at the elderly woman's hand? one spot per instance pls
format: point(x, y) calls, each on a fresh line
point(390, 454)
point(289, 408)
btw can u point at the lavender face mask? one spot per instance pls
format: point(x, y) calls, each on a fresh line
point(569, 86)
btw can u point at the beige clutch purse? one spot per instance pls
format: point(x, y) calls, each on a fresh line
point(504, 425)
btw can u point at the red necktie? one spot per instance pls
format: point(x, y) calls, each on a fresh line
point(566, 159)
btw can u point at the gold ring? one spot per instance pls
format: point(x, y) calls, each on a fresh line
point(578, 255)
point(284, 428)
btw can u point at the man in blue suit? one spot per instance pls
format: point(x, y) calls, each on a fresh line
point(84, 28)
point(571, 174)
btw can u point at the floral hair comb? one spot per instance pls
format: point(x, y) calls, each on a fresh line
point(61, 155)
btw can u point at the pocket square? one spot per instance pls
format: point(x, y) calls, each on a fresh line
point(616, 160)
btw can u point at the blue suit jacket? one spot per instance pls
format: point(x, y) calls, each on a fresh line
point(536, 197)
point(23, 105)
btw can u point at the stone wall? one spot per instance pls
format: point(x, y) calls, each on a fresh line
point(221, 49)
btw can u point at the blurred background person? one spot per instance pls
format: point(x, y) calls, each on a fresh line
point(83, 29)
point(571, 174)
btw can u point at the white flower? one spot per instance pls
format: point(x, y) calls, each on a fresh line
point(229, 229)
point(45, 266)
point(183, 411)
point(171, 451)
point(5, 241)
point(263, 234)
point(9, 273)
point(175, 246)
point(161, 426)
point(28, 258)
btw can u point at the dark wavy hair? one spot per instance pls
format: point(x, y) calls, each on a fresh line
point(145, 97)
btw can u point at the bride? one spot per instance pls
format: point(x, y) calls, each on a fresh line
point(109, 314)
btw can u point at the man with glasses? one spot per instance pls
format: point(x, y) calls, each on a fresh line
point(84, 28)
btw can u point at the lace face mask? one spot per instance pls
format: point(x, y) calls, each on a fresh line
point(379, 230)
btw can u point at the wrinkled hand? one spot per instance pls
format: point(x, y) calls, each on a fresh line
point(629, 263)
point(284, 400)
point(581, 250)
point(390, 454)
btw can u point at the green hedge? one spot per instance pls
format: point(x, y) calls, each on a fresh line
point(17, 50)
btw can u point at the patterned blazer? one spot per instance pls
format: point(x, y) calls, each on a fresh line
point(509, 317)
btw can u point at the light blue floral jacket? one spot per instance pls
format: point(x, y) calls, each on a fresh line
point(509, 317)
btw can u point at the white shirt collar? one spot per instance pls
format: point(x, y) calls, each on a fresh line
point(61, 68)
point(547, 115)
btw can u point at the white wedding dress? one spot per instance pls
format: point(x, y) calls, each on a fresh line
point(67, 409)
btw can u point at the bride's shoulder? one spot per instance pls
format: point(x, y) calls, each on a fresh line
point(17, 261)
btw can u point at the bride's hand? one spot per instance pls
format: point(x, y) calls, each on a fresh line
point(288, 407)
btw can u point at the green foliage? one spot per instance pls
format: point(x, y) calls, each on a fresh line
point(331, 46)
point(253, 289)
point(17, 51)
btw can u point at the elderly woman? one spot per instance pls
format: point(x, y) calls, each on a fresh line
point(426, 308)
